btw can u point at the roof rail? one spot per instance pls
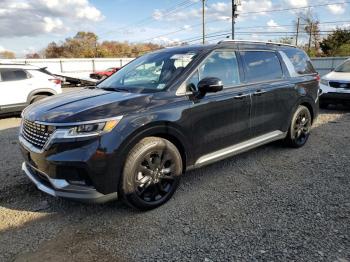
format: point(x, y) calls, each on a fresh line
point(254, 41)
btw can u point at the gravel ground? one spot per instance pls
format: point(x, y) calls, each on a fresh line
point(270, 204)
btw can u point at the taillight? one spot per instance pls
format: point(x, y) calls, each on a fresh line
point(56, 81)
point(318, 78)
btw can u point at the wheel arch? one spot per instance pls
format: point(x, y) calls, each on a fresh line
point(41, 91)
point(162, 129)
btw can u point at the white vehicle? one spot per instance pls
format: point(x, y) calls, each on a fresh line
point(336, 86)
point(21, 85)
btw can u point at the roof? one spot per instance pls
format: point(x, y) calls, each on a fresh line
point(20, 66)
point(254, 42)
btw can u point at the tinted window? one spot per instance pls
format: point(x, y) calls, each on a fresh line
point(300, 61)
point(261, 66)
point(13, 74)
point(344, 68)
point(223, 65)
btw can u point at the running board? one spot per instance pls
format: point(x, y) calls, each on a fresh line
point(239, 148)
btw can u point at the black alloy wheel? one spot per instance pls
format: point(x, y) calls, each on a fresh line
point(151, 173)
point(300, 127)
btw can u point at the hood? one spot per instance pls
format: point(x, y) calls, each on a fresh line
point(85, 105)
point(340, 76)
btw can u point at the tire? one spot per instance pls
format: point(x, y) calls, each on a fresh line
point(37, 98)
point(299, 130)
point(151, 173)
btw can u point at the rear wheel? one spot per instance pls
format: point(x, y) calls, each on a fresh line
point(38, 98)
point(300, 127)
point(151, 173)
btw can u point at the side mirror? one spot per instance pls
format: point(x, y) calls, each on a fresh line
point(210, 85)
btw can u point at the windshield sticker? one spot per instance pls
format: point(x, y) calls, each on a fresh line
point(183, 56)
point(160, 86)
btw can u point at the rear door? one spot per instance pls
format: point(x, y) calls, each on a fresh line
point(220, 120)
point(273, 95)
point(14, 87)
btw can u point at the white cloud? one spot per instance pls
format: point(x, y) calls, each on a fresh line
point(2, 49)
point(273, 26)
point(337, 9)
point(297, 3)
point(44, 16)
point(52, 24)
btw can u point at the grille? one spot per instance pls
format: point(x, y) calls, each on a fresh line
point(339, 84)
point(36, 134)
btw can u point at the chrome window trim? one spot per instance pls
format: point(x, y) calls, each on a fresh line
point(181, 91)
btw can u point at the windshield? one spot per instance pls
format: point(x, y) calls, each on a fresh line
point(344, 67)
point(152, 72)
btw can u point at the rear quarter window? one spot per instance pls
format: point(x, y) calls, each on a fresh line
point(301, 62)
point(261, 66)
point(13, 74)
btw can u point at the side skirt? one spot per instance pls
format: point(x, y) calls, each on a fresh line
point(239, 148)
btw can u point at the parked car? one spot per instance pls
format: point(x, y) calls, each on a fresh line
point(164, 113)
point(22, 85)
point(336, 86)
point(99, 75)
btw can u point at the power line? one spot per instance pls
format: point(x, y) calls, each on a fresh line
point(192, 39)
point(150, 19)
point(253, 12)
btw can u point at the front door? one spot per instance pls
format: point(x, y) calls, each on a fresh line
point(220, 120)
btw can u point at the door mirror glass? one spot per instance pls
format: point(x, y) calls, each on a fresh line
point(210, 85)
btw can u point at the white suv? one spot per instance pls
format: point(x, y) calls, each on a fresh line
point(21, 85)
point(336, 86)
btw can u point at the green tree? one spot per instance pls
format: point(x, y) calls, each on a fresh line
point(337, 43)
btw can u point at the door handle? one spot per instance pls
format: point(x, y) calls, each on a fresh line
point(241, 96)
point(259, 92)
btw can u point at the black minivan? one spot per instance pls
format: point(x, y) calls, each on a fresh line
point(166, 112)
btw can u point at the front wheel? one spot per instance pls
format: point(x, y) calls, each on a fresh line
point(300, 127)
point(151, 173)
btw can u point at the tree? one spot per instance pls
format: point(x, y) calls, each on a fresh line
point(7, 55)
point(286, 40)
point(53, 51)
point(337, 43)
point(310, 25)
point(82, 45)
point(33, 56)
point(86, 45)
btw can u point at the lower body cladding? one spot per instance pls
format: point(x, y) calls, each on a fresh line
point(78, 170)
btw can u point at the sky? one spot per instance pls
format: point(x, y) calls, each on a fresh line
point(27, 26)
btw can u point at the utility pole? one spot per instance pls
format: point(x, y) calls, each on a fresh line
point(310, 36)
point(235, 3)
point(203, 20)
point(296, 38)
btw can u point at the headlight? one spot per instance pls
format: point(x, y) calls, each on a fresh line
point(324, 82)
point(88, 129)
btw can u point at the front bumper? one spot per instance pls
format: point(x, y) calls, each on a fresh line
point(61, 188)
point(333, 97)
